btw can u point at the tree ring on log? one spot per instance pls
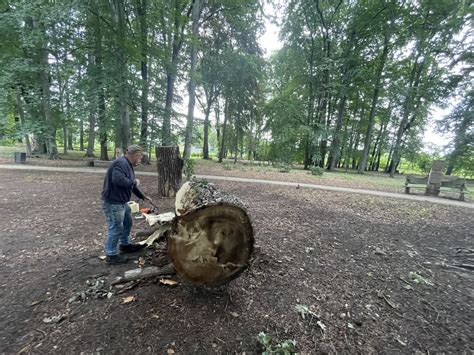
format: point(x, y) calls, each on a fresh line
point(212, 243)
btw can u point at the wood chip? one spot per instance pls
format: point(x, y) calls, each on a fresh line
point(168, 282)
point(128, 299)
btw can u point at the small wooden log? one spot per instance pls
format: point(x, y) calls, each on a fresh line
point(170, 167)
point(144, 273)
point(211, 239)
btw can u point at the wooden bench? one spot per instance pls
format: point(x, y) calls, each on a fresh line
point(415, 182)
point(456, 185)
point(102, 163)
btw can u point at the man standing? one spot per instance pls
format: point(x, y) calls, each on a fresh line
point(119, 183)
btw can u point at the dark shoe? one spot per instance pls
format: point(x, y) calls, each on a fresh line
point(116, 259)
point(131, 248)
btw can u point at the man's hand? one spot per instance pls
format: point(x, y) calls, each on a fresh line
point(148, 198)
point(137, 182)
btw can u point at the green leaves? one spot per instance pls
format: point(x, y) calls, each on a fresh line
point(285, 348)
point(418, 279)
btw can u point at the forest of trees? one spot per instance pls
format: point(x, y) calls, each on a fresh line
point(352, 86)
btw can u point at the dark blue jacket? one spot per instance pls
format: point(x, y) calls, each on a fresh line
point(119, 182)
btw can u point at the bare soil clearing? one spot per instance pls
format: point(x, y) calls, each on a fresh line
point(353, 260)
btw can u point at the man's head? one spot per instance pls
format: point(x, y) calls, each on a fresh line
point(134, 154)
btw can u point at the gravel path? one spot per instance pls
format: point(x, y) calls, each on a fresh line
point(435, 200)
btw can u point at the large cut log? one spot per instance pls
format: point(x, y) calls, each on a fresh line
point(170, 167)
point(211, 239)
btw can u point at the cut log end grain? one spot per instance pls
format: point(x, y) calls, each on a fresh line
point(212, 242)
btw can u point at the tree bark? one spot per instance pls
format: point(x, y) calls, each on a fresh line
point(343, 94)
point(69, 131)
point(212, 237)
point(336, 141)
point(141, 6)
point(92, 110)
point(99, 80)
point(224, 129)
point(196, 13)
point(170, 167)
point(123, 129)
point(21, 113)
point(407, 109)
point(178, 35)
point(205, 148)
point(46, 93)
point(91, 138)
point(218, 131)
point(375, 98)
point(64, 138)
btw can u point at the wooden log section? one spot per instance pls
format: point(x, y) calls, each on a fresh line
point(211, 239)
point(170, 167)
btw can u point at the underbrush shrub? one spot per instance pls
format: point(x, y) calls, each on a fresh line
point(284, 168)
point(316, 170)
point(189, 168)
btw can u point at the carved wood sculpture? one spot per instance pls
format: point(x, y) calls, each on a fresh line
point(211, 238)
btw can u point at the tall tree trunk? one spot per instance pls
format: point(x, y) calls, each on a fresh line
point(170, 167)
point(70, 145)
point(408, 105)
point(389, 159)
point(224, 131)
point(166, 132)
point(92, 112)
point(375, 97)
point(375, 160)
point(337, 134)
point(81, 133)
point(383, 135)
point(99, 86)
point(374, 151)
point(310, 116)
point(178, 36)
point(354, 151)
point(104, 155)
point(69, 131)
point(142, 12)
point(346, 78)
point(65, 138)
point(196, 13)
point(46, 93)
point(123, 128)
point(21, 113)
point(91, 138)
point(354, 136)
point(218, 130)
point(205, 147)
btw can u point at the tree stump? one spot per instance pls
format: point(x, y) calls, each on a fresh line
point(211, 239)
point(170, 166)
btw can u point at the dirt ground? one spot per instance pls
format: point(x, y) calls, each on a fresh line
point(370, 274)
